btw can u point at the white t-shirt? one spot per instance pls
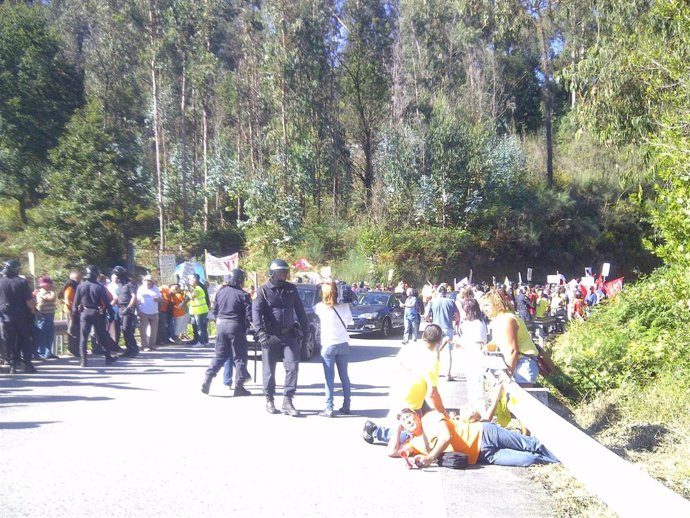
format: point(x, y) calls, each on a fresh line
point(473, 332)
point(148, 300)
point(332, 329)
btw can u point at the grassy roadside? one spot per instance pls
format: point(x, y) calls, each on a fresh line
point(624, 378)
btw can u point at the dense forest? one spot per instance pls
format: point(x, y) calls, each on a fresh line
point(432, 137)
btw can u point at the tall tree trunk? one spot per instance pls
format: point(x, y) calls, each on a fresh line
point(204, 138)
point(546, 89)
point(184, 161)
point(156, 134)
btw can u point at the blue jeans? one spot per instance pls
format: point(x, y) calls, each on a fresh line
point(44, 327)
point(202, 327)
point(228, 367)
point(332, 356)
point(411, 328)
point(505, 448)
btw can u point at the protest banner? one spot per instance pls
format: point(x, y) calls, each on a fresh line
point(614, 287)
point(221, 265)
point(166, 264)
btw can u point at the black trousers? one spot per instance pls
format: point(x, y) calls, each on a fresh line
point(231, 342)
point(17, 337)
point(92, 318)
point(288, 348)
point(128, 326)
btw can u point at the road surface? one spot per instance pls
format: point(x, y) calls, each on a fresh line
point(139, 439)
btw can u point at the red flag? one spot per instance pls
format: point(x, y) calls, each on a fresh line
point(614, 287)
point(302, 264)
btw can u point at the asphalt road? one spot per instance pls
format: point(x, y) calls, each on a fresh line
point(139, 439)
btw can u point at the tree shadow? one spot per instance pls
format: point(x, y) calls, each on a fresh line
point(363, 353)
point(48, 399)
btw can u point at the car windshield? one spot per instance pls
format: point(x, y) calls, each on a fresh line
point(368, 299)
point(307, 297)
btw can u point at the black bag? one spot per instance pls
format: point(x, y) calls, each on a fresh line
point(544, 362)
point(345, 294)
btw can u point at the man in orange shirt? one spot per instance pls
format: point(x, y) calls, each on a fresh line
point(482, 442)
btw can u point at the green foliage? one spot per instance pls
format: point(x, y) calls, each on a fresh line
point(631, 339)
point(39, 90)
point(95, 192)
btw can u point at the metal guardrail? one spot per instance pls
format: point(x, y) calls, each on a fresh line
point(622, 485)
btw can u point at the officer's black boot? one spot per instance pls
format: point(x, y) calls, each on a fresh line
point(110, 359)
point(29, 368)
point(241, 391)
point(270, 407)
point(289, 408)
point(206, 385)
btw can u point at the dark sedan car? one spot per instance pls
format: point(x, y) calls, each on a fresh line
point(376, 311)
point(310, 295)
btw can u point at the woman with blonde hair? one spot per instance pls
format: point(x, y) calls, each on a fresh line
point(335, 344)
point(510, 334)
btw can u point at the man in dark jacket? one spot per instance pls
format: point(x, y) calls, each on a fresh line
point(16, 310)
point(273, 315)
point(91, 304)
point(232, 309)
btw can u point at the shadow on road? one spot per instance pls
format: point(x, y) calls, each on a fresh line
point(19, 425)
point(48, 399)
point(362, 353)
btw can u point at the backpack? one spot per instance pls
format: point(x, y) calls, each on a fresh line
point(345, 294)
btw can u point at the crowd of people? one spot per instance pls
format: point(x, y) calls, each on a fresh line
point(474, 319)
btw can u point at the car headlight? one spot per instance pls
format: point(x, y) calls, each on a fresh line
point(369, 316)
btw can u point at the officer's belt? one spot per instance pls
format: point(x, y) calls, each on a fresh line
point(92, 307)
point(226, 321)
point(281, 330)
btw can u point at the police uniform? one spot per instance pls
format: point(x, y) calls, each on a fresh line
point(273, 312)
point(127, 291)
point(232, 309)
point(15, 321)
point(92, 300)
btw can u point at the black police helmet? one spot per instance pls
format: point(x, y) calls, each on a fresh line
point(119, 271)
point(92, 272)
point(279, 265)
point(10, 268)
point(236, 278)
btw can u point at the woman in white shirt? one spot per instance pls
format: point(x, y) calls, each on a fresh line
point(335, 346)
point(473, 338)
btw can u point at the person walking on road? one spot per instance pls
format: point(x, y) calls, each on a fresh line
point(335, 345)
point(16, 314)
point(443, 312)
point(232, 309)
point(273, 316)
point(412, 317)
point(91, 303)
point(148, 298)
point(126, 302)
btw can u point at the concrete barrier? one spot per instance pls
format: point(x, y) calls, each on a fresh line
point(624, 487)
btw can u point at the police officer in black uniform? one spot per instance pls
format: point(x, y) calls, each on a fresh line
point(273, 314)
point(232, 309)
point(16, 310)
point(126, 304)
point(91, 304)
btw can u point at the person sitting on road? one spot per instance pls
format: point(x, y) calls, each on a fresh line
point(417, 381)
point(483, 443)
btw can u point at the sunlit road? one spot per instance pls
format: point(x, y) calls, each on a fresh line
point(140, 439)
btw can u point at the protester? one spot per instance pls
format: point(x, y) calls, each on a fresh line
point(198, 310)
point(148, 298)
point(411, 317)
point(416, 382)
point(444, 313)
point(179, 312)
point(67, 295)
point(485, 443)
point(335, 345)
point(510, 334)
point(471, 342)
point(44, 322)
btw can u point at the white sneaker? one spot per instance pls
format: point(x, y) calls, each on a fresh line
point(197, 345)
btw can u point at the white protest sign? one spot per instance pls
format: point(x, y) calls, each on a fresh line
point(605, 269)
point(553, 279)
point(32, 263)
point(166, 263)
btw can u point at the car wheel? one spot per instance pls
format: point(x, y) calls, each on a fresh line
point(386, 328)
point(308, 345)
